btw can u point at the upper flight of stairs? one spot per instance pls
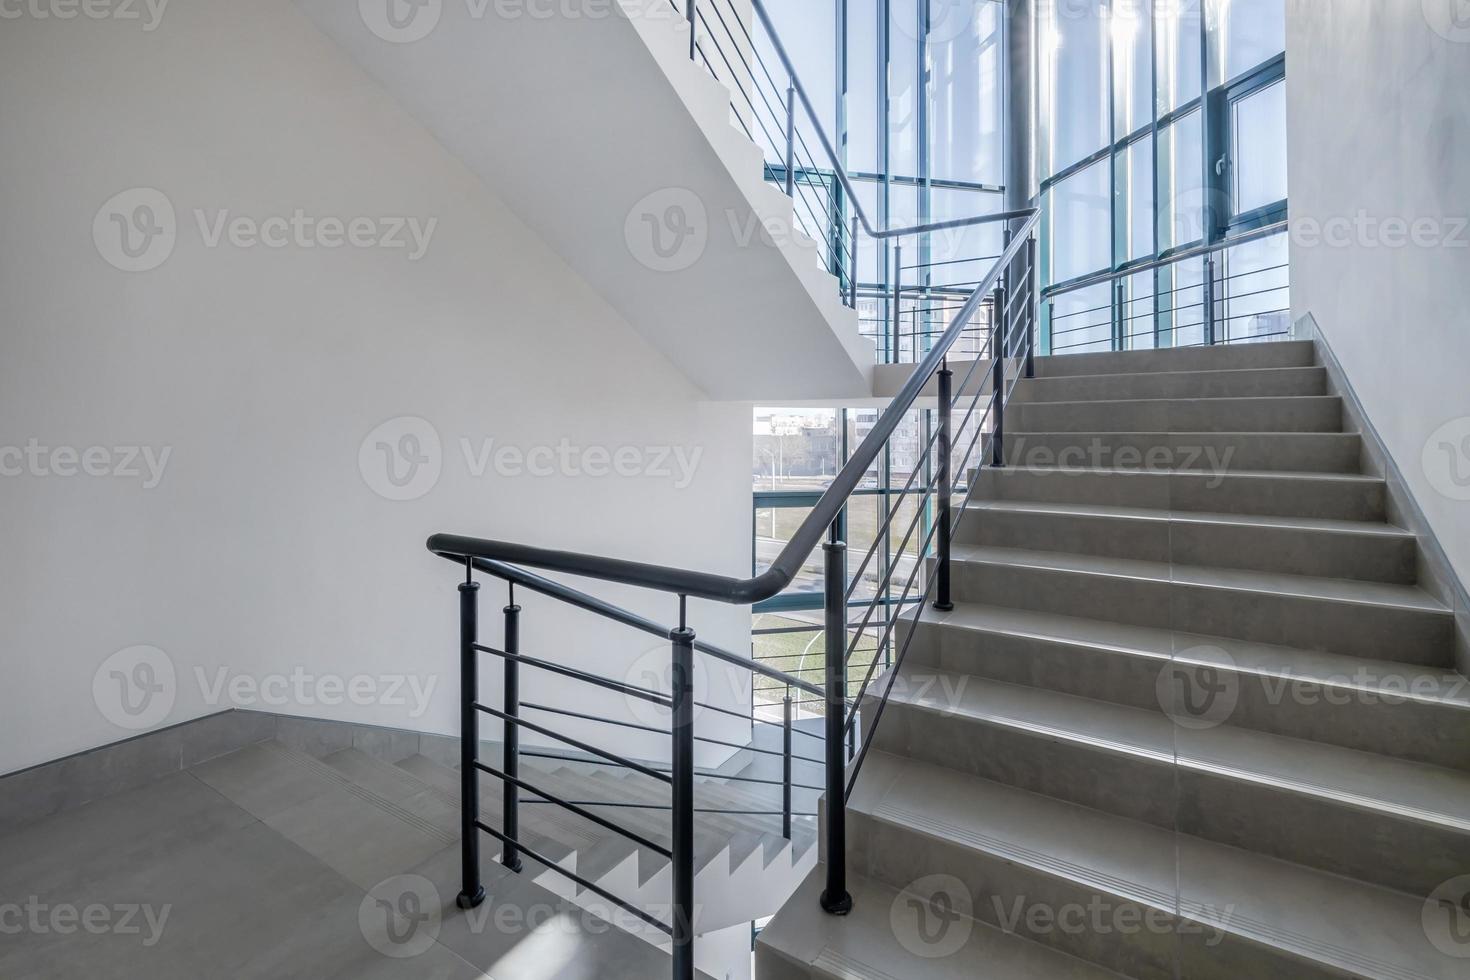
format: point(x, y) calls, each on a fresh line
point(591, 124)
point(1190, 673)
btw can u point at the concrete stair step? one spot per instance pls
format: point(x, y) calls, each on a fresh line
point(1231, 357)
point(1302, 452)
point(1263, 414)
point(1399, 824)
point(935, 940)
point(1290, 545)
point(1198, 909)
point(1329, 496)
point(1365, 619)
point(1380, 706)
point(1272, 382)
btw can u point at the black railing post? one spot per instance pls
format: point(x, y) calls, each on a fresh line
point(682, 779)
point(998, 382)
point(1032, 304)
point(511, 762)
point(946, 486)
point(472, 892)
point(791, 140)
point(1209, 298)
point(835, 898)
point(786, 767)
point(693, 31)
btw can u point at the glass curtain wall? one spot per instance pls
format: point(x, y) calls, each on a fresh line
point(912, 94)
point(1162, 133)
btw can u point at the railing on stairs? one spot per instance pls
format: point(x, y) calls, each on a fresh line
point(921, 560)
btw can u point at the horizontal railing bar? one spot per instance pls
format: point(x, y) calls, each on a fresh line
point(575, 807)
point(637, 767)
point(1268, 231)
point(573, 876)
point(581, 675)
point(583, 746)
point(698, 809)
point(659, 731)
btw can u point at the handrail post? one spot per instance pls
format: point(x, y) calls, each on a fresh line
point(897, 297)
point(835, 899)
point(852, 255)
point(998, 382)
point(1032, 303)
point(786, 767)
point(682, 780)
point(946, 485)
point(510, 855)
point(693, 31)
point(472, 892)
point(791, 140)
point(1209, 298)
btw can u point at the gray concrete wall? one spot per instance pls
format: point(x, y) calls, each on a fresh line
point(1379, 124)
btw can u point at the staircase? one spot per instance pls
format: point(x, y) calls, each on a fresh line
point(1192, 715)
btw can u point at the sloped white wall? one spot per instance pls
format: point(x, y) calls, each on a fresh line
point(1379, 143)
point(269, 552)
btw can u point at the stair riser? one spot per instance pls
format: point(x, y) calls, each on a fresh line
point(770, 965)
point(1353, 629)
point(1340, 715)
point(1204, 415)
point(1300, 452)
point(1234, 357)
point(1350, 500)
point(899, 855)
point(1366, 557)
point(1294, 382)
point(1369, 845)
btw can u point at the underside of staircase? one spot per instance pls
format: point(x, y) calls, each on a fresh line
point(1193, 715)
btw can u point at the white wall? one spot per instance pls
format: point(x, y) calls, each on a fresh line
point(1379, 124)
point(264, 549)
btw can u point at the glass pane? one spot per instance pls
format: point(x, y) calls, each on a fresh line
point(1181, 182)
point(862, 85)
point(1255, 292)
point(1082, 321)
point(1258, 141)
point(904, 92)
point(1135, 177)
point(1074, 52)
point(1244, 34)
point(1138, 312)
point(1079, 210)
point(1133, 80)
point(1181, 303)
point(795, 448)
point(1178, 31)
point(965, 68)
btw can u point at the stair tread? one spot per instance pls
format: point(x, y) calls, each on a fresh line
point(1363, 929)
point(861, 946)
point(1332, 525)
point(1375, 782)
point(1309, 475)
point(1385, 594)
point(1310, 666)
point(1199, 372)
point(1184, 400)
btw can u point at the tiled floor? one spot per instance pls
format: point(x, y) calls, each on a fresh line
point(272, 864)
